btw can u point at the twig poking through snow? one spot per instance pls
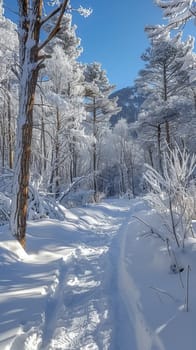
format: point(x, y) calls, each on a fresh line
point(162, 291)
point(187, 288)
point(153, 232)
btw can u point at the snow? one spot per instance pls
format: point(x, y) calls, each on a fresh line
point(96, 281)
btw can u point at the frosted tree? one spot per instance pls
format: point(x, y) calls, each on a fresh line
point(31, 59)
point(67, 113)
point(74, 95)
point(63, 91)
point(178, 12)
point(165, 83)
point(100, 108)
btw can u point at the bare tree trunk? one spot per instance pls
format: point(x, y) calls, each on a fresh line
point(73, 161)
point(173, 221)
point(194, 97)
point(167, 128)
point(94, 171)
point(121, 182)
point(94, 152)
point(159, 148)
point(22, 159)
point(10, 141)
point(131, 170)
point(150, 157)
point(165, 97)
point(74, 156)
point(31, 61)
point(30, 30)
point(43, 137)
point(3, 139)
point(57, 149)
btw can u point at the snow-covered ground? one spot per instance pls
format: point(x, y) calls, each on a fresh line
point(95, 282)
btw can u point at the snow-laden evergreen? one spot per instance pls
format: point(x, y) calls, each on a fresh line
point(169, 100)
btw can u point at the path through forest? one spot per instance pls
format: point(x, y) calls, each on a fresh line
point(88, 283)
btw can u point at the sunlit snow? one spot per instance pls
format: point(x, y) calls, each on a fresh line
point(95, 282)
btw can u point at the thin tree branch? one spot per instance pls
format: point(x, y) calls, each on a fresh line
point(57, 25)
point(53, 13)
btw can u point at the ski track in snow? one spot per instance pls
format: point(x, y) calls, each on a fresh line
point(145, 338)
point(76, 313)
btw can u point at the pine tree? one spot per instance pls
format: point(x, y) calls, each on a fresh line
point(165, 84)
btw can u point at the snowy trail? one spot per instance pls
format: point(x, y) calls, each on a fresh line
point(91, 296)
point(82, 306)
point(75, 296)
point(90, 283)
point(88, 291)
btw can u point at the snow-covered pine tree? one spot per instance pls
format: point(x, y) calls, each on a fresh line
point(165, 83)
point(178, 13)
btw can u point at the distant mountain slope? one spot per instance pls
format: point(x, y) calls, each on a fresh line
point(130, 102)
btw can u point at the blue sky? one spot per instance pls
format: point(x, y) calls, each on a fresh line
point(114, 35)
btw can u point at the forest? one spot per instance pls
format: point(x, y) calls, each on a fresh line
point(58, 140)
point(70, 140)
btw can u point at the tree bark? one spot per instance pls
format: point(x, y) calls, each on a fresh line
point(165, 97)
point(167, 128)
point(73, 159)
point(30, 15)
point(43, 138)
point(150, 157)
point(30, 32)
point(3, 139)
point(159, 148)
point(22, 159)
point(57, 149)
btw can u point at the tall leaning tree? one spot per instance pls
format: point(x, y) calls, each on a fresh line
point(31, 58)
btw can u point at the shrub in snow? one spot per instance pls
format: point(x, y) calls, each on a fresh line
point(41, 205)
point(173, 193)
